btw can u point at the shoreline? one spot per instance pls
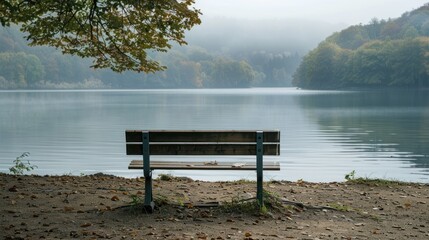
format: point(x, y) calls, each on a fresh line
point(105, 207)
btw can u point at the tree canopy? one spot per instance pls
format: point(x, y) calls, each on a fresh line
point(117, 34)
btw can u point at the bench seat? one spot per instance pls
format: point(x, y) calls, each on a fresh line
point(175, 165)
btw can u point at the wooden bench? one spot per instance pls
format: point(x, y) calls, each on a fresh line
point(223, 142)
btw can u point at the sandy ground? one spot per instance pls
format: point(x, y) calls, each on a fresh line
point(103, 207)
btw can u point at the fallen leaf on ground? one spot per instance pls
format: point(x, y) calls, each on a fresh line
point(86, 225)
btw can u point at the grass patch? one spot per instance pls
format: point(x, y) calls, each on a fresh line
point(165, 177)
point(238, 205)
point(272, 203)
point(377, 182)
point(242, 181)
point(170, 178)
point(340, 207)
point(351, 178)
point(161, 200)
point(137, 206)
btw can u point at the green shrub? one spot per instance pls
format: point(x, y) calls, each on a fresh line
point(20, 166)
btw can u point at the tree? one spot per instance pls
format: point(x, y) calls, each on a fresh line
point(227, 73)
point(410, 32)
point(318, 69)
point(118, 34)
point(367, 66)
point(20, 69)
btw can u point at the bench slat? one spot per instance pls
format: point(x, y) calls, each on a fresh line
point(203, 149)
point(169, 165)
point(202, 136)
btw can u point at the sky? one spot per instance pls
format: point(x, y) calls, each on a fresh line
point(349, 12)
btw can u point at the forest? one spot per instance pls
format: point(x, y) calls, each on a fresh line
point(391, 53)
point(221, 57)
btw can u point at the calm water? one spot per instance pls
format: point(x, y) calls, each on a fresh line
point(324, 135)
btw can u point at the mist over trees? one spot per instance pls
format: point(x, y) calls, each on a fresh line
point(384, 53)
point(222, 53)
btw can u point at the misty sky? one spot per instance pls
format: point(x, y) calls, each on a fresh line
point(348, 12)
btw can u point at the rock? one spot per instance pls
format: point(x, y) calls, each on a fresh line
point(201, 235)
point(86, 225)
point(74, 234)
point(13, 189)
point(68, 209)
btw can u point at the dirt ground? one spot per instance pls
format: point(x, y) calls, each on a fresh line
point(106, 207)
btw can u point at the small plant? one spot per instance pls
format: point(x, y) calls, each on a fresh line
point(165, 177)
point(20, 166)
point(263, 210)
point(350, 176)
point(136, 200)
point(161, 200)
point(181, 202)
point(136, 203)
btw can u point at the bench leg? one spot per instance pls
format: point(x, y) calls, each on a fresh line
point(149, 205)
point(260, 191)
point(259, 168)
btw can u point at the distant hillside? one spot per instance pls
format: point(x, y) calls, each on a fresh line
point(24, 67)
point(384, 53)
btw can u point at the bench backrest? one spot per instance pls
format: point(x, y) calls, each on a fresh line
point(200, 142)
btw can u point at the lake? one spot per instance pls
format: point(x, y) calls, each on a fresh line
point(324, 134)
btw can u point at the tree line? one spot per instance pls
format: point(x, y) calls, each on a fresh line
point(387, 53)
point(24, 67)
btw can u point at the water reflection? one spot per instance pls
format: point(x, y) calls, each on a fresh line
point(380, 125)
